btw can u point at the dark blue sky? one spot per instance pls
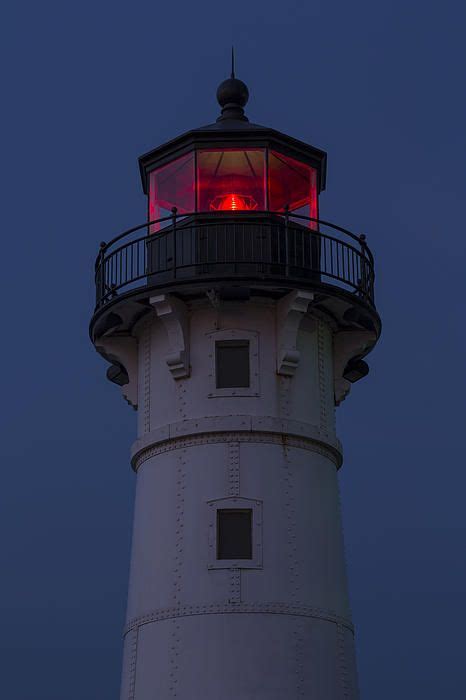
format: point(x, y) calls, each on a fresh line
point(88, 87)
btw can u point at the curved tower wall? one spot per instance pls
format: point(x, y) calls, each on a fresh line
point(275, 626)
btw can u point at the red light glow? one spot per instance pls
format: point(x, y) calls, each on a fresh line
point(233, 202)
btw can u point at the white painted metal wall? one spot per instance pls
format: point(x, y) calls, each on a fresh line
point(277, 627)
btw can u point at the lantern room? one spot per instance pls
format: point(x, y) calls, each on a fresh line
point(233, 166)
point(233, 212)
point(233, 179)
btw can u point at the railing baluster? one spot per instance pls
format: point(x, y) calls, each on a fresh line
point(174, 211)
point(324, 242)
point(101, 269)
point(279, 246)
point(181, 246)
point(144, 258)
point(261, 246)
point(302, 250)
point(234, 249)
point(216, 245)
point(287, 249)
point(270, 244)
point(362, 240)
point(194, 246)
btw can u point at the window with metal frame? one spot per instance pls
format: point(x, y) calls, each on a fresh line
point(234, 533)
point(232, 364)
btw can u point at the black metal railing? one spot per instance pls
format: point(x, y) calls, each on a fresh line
point(265, 245)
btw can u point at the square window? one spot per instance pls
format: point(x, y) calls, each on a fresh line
point(234, 533)
point(232, 364)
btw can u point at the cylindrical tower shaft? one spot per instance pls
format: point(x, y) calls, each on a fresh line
point(276, 624)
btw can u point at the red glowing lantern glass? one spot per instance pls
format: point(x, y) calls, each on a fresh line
point(171, 186)
point(292, 184)
point(231, 180)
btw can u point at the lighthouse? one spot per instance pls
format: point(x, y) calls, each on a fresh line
point(234, 320)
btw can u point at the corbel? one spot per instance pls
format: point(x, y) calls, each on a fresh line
point(289, 314)
point(347, 345)
point(174, 315)
point(122, 352)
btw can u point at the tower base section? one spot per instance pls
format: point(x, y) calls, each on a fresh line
point(196, 654)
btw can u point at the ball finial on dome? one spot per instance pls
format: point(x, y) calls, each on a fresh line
point(232, 95)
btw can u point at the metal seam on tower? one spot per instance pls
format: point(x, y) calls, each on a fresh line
point(296, 610)
point(132, 663)
point(322, 378)
point(147, 363)
point(302, 443)
point(234, 466)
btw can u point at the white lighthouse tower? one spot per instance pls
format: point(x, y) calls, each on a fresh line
point(235, 320)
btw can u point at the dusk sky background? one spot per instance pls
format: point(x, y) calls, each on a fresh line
point(87, 87)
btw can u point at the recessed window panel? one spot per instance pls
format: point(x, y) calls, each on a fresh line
point(231, 180)
point(232, 364)
point(234, 533)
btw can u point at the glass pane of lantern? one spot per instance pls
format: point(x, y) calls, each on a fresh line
point(231, 180)
point(171, 186)
point(292, 184)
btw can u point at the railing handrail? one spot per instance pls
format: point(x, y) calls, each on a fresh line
point(178, 216)
point(114, 263)
point(166, 232)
